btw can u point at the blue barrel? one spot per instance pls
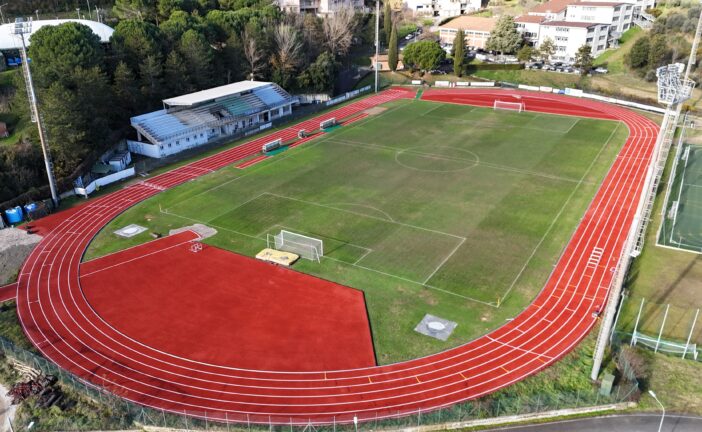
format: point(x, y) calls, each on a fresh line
point(30, 208)
point(14, 215)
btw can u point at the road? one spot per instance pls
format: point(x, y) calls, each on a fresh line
point(615, 423)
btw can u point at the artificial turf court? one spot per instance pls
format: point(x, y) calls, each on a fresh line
point(682, 225)
point(428, 207)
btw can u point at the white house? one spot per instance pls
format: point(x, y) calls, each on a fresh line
point(620, 15)
point(442, 8)
point(197, 118)
point(319, 7)
point(569, 36)
point(530, 27)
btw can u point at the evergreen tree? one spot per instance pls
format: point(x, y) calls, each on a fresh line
point(176, 75)
point(583, 59)
point(547, 49)
point(125, 90)
point(658, 51)
point(387, 21)
point(459, 47)
point(525, 53)
point(423, 55)
point(638, 56)
point(197, 54)
point(504, 38)
point(151, 73)
point(392, 50)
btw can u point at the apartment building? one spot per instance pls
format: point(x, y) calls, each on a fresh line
point(319, 7)
point(619, 15)
point(442, 8)
point(569, 36)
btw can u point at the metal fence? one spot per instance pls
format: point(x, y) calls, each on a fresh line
point(109, 412)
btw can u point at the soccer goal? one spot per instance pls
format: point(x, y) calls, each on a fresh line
point(307, 247)
point(327, 123)
point(509, 106)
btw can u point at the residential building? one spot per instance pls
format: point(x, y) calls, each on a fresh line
point(530, 27)
point(319, 7)
point(476, 29)
point(552, 10)
point(198, 118)
point(569, 36)
point(620, 15)
point(442, 8)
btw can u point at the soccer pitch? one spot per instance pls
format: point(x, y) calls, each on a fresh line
point(436, 208)
point(681, 226)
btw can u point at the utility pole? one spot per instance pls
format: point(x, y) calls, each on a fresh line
point(377, 41)
point(21, 28)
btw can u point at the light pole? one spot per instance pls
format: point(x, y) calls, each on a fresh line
point(377, 42)
point(78, 12)
point(2, 16)
point(660, 426)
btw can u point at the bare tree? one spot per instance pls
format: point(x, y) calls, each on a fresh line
point(288, 48)
point(252, 53)
point(338, 31)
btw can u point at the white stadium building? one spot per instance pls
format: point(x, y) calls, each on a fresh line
point(10, 41)
point(198, 118)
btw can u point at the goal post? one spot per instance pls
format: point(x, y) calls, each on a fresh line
point(508, 106)
point(307, 247)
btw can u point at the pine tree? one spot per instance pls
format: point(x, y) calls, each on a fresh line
point(387, 21)
point(392, 50)
point(504, 38)
point(547, 49)
point(583, 59)
point(459, 47)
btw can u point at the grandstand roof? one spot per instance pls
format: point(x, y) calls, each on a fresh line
point(8, 40)
point(214, 93)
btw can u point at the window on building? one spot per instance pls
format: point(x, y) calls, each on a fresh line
point(602, 37)
point(169, 145)
point(187, 139)
point(562, 38)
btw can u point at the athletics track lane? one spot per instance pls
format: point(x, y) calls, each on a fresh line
point(61, 323)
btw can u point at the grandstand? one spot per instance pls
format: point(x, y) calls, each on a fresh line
point(195, 119)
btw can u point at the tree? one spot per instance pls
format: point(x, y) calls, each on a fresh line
point(134, 9)
point(639, 53)
point(504, 38)
point(288, 48)
point(56, 51)
point(166, 7)
point(151, 73)
point(423, 55)
point(176, 74)
point(387, 21)
point(583, 59)
point(319, 76)
point(547, 49)
point(125, 89)
point(392, 50)
point(525, 53)
point(459, 47)
point(197, 55)
point(658, 51)
point(134, 40)
point(338, 31)
point(254, 57)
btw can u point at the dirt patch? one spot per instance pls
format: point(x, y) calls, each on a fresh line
point(375, 110)
point(15, 246)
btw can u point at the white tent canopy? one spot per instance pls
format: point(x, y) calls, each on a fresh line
point(8, 40)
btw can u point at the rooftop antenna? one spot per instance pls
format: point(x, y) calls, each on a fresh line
point(21, 28)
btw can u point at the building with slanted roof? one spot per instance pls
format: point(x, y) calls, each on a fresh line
point(552, 10)
point(620, 14)
point(529, 26)
point(476, 29)
point(569, 36)
point(198, 118)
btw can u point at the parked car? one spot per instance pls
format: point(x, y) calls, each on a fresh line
point(600, 70)
point(534, 65)
point(409, 36)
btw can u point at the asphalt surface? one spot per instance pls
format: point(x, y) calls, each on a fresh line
point(616, 423)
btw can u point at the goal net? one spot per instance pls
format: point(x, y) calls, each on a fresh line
point(509, 106)
point(307, 247)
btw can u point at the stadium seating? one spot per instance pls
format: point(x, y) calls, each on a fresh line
point(270, 96)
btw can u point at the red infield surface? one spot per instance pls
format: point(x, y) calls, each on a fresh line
point(60, 322)
point(232, 311)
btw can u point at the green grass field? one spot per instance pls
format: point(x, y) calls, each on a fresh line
point(456, 211)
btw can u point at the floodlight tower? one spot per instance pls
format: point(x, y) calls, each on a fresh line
point(21, 28)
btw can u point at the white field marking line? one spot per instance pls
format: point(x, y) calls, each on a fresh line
point(368, 251)
point(446, 258)
point(572, 126)
point(560, 212)
point(495, 125)
point(288, 154)
point(519, 348)
point(430, 110)
point(677, 248)
point(457, 159)
point(366, 206)
point(366, 215)
point(137, 258)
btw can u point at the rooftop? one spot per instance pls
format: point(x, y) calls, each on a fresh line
point(214, 93)
point(578, 24)
point(597, 4)
point(553, 6)
point(472, 23)
point(530, 19)
point(8, 40)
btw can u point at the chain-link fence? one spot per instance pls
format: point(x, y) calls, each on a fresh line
point(109, 412)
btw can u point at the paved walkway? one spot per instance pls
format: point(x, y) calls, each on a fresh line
point(616, 423)
point(7, 410)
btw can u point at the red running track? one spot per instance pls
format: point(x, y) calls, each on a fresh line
point(60, 322)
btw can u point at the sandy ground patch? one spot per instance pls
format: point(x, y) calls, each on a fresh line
point(15, 246)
